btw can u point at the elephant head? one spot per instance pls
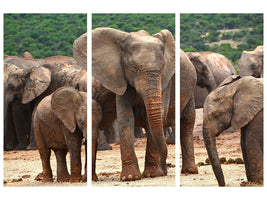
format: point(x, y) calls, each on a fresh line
point(70, 106)
point(145, 62)
point(234, 104)
point(25, 84)
point(80, 50)
point(205, 76)
point(251, 63)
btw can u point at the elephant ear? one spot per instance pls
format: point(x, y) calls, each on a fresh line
point(229, 80)
point(248, 101)
point(65, 101)
point(169, 55)
point(106, 58)
point(37, 81)
point(80, 51)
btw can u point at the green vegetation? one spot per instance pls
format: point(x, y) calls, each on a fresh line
point(152, 23)
point(42, 35)
point(228, 34)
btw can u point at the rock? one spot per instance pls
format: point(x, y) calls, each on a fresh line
point(207, 161)
point(200, 164)
point(26, 176)
point(222, 160)
point(230, 161)
point(239, 161)
point(16, 180)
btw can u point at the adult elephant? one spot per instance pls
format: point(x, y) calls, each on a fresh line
point(138, 68)
point(26, 83)
point(188, 79)
point(251, 63)
point(237, 103)
point(103, 115)
point(80, 50)
point(212, 69)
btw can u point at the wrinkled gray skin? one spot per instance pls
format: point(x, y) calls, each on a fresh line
point(60, 123)
point(237, 103)
point(251, 63)
point(212, 69)
point(138, 68)
point(188, 79)
point(26, 83)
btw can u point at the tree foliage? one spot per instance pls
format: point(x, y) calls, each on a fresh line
point(152, 23)
point(199, 31)
point(42, 35)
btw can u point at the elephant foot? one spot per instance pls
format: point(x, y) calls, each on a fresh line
point(65, 178)
point(31, 147)
point(84, 178)
point(170, 140)
point(94, 177)
point(39, 177)
point(189, 169)
point(103, 147)
point(130, 173)
point(76, 179)
point(20, 147)
point(45, 179)
point(152, 171)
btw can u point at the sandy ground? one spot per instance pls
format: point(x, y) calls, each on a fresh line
point(108, 167)
point(21, 167)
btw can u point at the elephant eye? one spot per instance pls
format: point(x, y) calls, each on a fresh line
point(253, 66)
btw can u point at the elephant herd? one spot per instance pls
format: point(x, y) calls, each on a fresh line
point(133, 82)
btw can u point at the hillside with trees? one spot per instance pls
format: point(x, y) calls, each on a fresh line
point(152, 23)
point(228, 34)
point(42, 35)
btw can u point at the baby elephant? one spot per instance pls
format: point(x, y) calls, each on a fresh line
point(237, 102)
point(60, 123)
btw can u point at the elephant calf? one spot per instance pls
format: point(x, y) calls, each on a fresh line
point(60, 123)
point(238, 102)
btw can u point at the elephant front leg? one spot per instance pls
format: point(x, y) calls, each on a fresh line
point(130, 168)
point(153, 166)
point(186, 139)
point(252, 149)
point(74, 146)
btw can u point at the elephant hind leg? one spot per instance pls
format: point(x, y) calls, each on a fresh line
point(47, 171)
point(44, 152)
point(252, 149)
point(186, 138)
point(62, 171)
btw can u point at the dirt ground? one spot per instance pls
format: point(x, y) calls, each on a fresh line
point(21, 167)
point(108, 167)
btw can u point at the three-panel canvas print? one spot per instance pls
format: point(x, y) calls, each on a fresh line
point(158, 104)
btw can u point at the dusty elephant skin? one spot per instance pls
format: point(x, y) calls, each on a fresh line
point(212, 69)
point(237, 103)
point(251, 63)
point(60, 123)
point(188, 79)
point(26, 83)
point(138, 68)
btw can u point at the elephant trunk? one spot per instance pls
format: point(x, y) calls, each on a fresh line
point(153, 104)
point(210, 144)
